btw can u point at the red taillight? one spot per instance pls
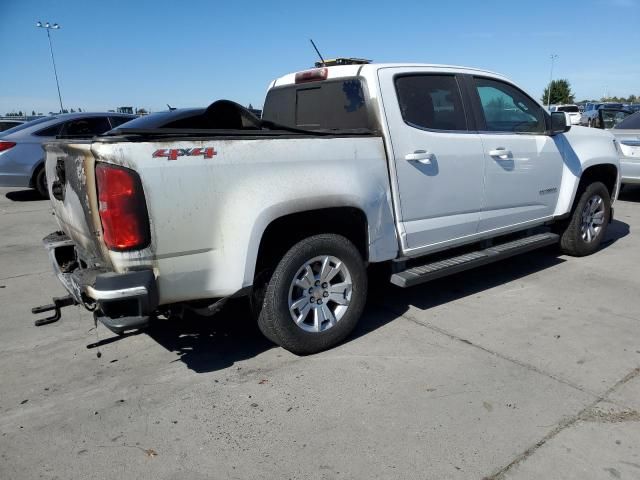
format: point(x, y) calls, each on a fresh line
point(313, 75)
point(6, 146)
point(123, 212)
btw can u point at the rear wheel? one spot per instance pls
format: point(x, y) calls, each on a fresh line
point(315, 296)
point(40, 183)
point(588, 223)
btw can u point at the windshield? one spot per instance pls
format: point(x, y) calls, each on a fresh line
point(632, 122)
point(568, 108)
point(27, 125)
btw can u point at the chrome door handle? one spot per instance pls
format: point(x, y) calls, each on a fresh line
point(421, 156)
point(500, 152)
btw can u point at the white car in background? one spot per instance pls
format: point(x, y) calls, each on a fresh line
point(570, 110)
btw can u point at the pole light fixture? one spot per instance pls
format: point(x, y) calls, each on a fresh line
point(553, 59)
point(47, 26)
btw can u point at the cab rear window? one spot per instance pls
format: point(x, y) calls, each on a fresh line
point(326, 105)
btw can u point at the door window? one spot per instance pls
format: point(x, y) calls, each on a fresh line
point(117, 121)
point(50, 132)
point(87, 126)
point(507, 109)
point(431, 102)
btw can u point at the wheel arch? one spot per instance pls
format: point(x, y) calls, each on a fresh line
point(606, 173)
point(284, 231)
point(34, 173)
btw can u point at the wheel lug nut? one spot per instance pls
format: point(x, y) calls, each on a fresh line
point(312, 300)
point(311, 290)
point(320, 301)
point(317, 283)
point(325, 294)
point(324, 285)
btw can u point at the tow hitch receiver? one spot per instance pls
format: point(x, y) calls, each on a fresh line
point(58, 303)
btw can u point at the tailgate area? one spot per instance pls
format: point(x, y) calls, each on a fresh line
point(70, 169)
point(121, 301)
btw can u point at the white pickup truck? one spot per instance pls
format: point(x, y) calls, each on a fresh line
point(429, 169)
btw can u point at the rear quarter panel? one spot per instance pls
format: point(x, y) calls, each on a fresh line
point(18, 164)
point(208, 215)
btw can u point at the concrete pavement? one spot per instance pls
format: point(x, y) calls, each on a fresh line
point(525, 369)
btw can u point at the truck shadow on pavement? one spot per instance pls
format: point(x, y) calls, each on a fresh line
point(211, 344)
point(28, 195)
point(630, 193)
point(471, 282)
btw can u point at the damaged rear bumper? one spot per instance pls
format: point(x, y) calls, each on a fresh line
point(121, 301)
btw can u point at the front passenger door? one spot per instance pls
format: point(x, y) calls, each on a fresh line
point(523, 165)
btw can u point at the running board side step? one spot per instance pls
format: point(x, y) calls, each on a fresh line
point(441, 268)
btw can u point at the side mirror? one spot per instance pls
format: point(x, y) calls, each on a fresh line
point(559, 123)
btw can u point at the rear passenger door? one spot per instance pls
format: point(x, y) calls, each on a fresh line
point(523, 164)
point(437, 158)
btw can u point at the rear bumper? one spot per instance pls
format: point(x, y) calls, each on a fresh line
point(122, 300)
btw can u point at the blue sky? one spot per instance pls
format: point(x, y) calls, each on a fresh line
point(189, 53)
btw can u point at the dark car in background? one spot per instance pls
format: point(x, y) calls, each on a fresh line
point(589, 117)
point(6, 124)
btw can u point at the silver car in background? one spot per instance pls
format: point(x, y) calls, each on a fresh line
point(627, 132)
point(21, 152)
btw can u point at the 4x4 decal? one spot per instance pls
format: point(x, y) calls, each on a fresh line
point(174, 153)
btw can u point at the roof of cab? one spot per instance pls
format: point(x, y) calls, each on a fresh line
point(357, 70)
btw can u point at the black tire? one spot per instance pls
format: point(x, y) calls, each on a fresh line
point(275, 319)
point(256, 300)
point(571, 240)
point(40, 183)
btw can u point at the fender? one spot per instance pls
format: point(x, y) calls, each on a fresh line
point(581, 148)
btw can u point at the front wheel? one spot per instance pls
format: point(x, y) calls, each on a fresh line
point(588, 223)
point(316, 295)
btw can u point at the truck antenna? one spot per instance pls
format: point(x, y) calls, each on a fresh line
point(317, 51)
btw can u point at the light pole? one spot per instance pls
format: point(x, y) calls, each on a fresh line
point(553, 59)
point(47, 26)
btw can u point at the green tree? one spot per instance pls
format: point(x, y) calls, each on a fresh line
point(560, 92)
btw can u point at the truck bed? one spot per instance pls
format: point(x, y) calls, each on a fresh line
point(194, 186)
